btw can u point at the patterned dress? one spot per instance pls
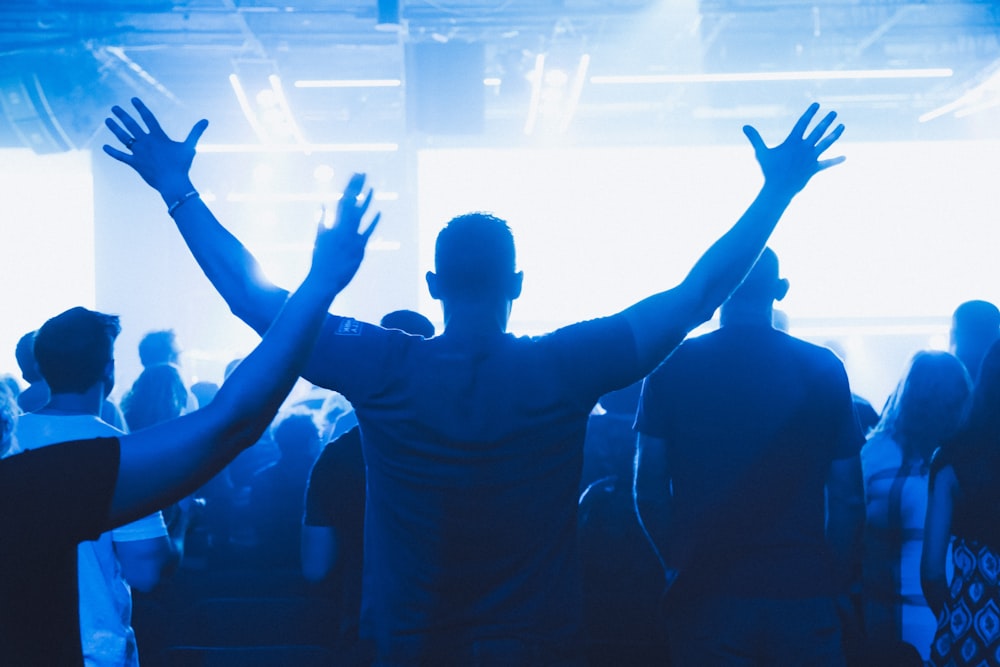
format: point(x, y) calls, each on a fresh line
point(968, 630)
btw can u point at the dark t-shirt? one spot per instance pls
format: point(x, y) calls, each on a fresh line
point(53, 498)
point(752, 418)
point(335, 498)
point(473, 449)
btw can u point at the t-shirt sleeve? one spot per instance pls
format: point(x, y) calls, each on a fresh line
point(146, 528)
point(56, 496)
point(345, 353)
point(597, 356)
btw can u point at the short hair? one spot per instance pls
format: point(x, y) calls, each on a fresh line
point(296, 433)
point(474, 255)
point(74, 348)
point(409, 321)
point(761, 282)
point(25, 355)
point(158, 347)
point(157, 395)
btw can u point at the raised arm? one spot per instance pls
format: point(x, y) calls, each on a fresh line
point(661, 321)
point(165, 165)
point(162, 464)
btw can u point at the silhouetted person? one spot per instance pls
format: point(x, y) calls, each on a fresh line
point(744, 434)
point(57, 496)
point(963, 518)
point(159, 347)
point(975, 326)
point(473, 439)
point(925, 410)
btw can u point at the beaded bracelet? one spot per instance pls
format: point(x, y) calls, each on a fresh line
point(180, 202)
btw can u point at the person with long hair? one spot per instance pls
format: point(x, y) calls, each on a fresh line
point(925, 410)
point(963, 518)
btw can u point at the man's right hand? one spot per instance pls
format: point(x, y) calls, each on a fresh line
point(789, 165)
point(162, 162)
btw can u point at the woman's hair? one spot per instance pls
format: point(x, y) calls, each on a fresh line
point(928, 405)
point(158, 394)
point(976, 447)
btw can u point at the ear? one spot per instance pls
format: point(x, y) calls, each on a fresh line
point(433, 286)
point(781, 289)
point(515, 285)
point(109, 378)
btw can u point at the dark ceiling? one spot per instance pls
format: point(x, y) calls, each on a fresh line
point(67, 60)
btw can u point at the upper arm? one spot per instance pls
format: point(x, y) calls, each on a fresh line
point(143, 562)
point(319, 551)
point(651, 474)
point(937, 524)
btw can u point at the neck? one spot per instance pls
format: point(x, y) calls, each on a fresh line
point(475, 317)
point(87, 403)
point(747, 315)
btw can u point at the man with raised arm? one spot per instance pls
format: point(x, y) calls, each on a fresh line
point(57, 496)
point(473, 439)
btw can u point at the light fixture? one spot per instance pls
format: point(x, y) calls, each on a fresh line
point(802, 75)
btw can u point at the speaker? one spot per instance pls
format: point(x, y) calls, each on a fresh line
point(444, 88)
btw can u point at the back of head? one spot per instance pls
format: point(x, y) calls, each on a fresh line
point(296, 435)
point(929, 404)
point(75, 350)
point(25, 355)
point(158, 347)
point(157, 395)
point(762, 286)
point(975, 326)
point(474, 256)
point(409, 321)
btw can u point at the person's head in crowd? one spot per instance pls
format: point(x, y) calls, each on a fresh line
point(975, 325)
point(230, 367)
point(8, 419)
point(475, 264)
point(158, 394)
point(755, 297)
point(159, 347)
point(12, 384)
point(296, 436)
point(75, 351)
point(24, 352)
point(409, 321)
point(928, 405)
point(204, 392)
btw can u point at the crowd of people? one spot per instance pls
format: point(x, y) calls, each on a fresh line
point(613, 492)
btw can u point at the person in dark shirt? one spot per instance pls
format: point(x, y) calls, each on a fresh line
point(473, 439)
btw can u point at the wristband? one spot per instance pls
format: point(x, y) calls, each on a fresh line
point(180, 202)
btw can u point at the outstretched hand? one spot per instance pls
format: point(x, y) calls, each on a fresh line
point(340, 248)
point(791, 164)
point(162, 162)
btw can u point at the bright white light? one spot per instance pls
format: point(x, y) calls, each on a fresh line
point(348, 83)
point(299, 148)
point(556, 77)
point(263, 173)
point(323, 173)
point(805, 75)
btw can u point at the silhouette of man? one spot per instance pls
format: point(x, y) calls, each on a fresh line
point(744, 434)
point(473, 439)
point(975, 326)
point(57, 496)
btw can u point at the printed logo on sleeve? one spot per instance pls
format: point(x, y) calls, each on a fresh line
point(349, 327)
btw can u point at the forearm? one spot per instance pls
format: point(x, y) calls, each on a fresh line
point(164, 463)
point(229, 266)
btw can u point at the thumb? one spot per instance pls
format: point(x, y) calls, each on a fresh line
point(195, 134)
point(754, 136)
